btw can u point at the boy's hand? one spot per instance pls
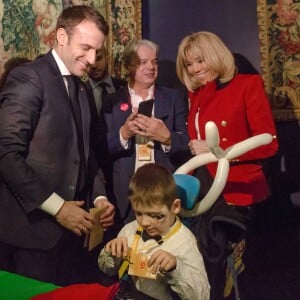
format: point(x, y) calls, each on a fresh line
point(117, 247)
point(162, 261)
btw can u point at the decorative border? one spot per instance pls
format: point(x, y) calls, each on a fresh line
point(25, 27)
point(125, 22)
point(279, 36)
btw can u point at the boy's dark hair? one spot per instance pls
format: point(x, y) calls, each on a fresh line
point(152, 184)
point(10, 64)
point(74, 15)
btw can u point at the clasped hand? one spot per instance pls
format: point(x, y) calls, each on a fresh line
point(198, 147)
point(79, 221)
point(138, 124)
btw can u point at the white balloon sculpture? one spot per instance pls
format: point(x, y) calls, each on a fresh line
point(223, 157)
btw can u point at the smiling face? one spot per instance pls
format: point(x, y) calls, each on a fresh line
point(157, 219)
point(78, 50)
point(198, 69)
point(146, 71)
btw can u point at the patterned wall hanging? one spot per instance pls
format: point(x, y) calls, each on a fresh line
point(279, 34)
point(27, 27)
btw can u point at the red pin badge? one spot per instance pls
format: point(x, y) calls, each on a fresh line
point(124, 106)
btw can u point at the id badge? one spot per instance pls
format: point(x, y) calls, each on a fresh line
point(138, 266)
point(144, 152)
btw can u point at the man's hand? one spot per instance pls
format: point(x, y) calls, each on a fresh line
point(107, 218)
point(118, 247)
point(162, 261)
point(74, 218)
point(129, 129)
point(153, 128)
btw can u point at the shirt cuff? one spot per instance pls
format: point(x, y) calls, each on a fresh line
point(52, 205)
point(99, 198)
point(123, 142)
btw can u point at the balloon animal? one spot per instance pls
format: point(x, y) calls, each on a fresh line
point(223, 158)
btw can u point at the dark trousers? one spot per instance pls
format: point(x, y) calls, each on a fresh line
point(68, 263)
point(75, 264)
point(33, 263)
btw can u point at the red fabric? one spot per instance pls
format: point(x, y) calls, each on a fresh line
point(81, 292)
point(240, 110)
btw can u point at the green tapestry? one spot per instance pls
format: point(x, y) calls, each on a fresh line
point(27, 27)
point(279, 34)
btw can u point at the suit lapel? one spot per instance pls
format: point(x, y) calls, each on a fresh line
point(85, 117)
point(161, 109)
point(83, 101)
point(59, 83)
point(123, 105)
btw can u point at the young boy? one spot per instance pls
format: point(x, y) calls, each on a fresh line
point(161, 251)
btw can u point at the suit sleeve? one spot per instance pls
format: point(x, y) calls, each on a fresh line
point(177, 124)
point(179, 129)
point(20, 111)
point(114, 119)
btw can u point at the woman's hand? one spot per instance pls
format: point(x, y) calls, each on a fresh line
point(198, 147)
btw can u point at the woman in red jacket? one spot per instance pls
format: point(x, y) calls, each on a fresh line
point(238, 104)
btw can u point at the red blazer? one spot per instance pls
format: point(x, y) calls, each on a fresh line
point(240, 110)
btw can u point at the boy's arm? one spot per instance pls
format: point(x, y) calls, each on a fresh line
point(108, 264)
point(188, 282)
point(112, 255)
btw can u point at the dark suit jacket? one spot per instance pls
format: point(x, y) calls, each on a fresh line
point(38, 152)
point(98, 137)
point(98, 127)
point(169, 107)
point(117, 83)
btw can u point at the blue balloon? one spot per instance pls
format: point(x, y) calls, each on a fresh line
point(188, 189)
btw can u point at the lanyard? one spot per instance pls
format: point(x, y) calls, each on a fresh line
point(137, 236)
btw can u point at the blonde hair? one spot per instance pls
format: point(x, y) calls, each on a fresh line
point(210, 48)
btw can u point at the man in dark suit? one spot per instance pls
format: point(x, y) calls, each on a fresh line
point(46, 188)
point(100, 82)
point(135, 139)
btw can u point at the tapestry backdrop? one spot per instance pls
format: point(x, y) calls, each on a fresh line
point(27, 27)
point(279, 33)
